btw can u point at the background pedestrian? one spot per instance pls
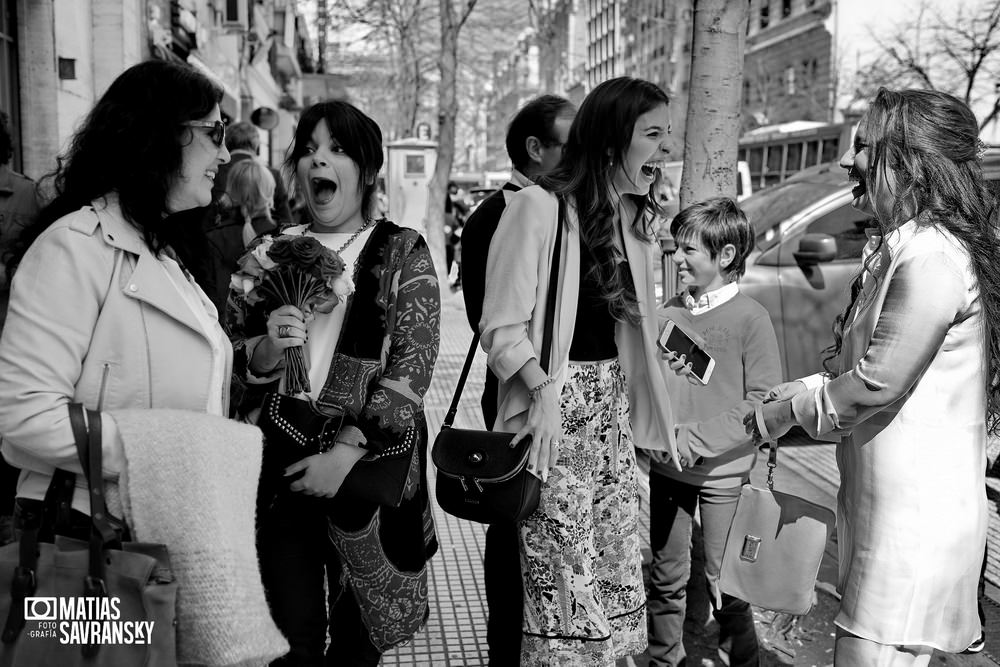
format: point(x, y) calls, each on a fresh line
point(535, 139)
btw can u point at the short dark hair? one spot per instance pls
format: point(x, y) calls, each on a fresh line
point(242, 136)
point(6, 141)
point(717, 222)
point(359, 136)
point(535, 119)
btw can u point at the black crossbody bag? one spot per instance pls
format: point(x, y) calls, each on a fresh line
point(480, 477)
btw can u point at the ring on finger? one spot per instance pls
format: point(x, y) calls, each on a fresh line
point(283, 330)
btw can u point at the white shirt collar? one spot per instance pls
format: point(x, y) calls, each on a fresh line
point(710, 300)
point(519, 179)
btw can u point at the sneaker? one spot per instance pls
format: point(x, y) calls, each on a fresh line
point(976, 646)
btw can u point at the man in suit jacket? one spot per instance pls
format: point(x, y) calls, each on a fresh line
point(535, 139)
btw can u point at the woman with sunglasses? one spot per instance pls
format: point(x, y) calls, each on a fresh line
point(103, 310)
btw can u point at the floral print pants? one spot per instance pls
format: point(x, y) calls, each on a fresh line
point(580, 560)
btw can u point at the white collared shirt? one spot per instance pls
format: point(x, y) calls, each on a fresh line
point(519, 179)
point(710, 300)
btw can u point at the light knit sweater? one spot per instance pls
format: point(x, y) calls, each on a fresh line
point(739, 336)
point(190, 483)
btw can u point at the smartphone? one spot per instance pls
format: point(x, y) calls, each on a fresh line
point(674, 339)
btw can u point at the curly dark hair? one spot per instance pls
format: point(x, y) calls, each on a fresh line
point(599, 139)
point(131, 144)
point(930, 141)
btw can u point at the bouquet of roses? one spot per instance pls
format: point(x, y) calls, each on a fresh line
point(291, 270)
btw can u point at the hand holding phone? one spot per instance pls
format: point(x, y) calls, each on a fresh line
point(675, 340)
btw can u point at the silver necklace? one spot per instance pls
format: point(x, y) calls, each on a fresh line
point(354, 236)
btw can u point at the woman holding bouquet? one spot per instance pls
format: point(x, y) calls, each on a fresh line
point(369, 362)
point(584, 597)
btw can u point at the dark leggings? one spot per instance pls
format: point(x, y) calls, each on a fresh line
point(295, 559)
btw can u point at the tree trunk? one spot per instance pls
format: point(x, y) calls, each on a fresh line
point(447, 112)
point(714, 96)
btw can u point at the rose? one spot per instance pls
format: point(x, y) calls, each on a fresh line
point(326, 305)
point(329, 265)
point(307, 250)
point(251, 266)
point(298, 251)
point(243, 284)
point(260, 252)
point(343, 286)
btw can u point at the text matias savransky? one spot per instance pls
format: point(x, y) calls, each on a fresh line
point(84, 620)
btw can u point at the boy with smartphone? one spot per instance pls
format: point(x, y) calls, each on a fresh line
point(713, 239)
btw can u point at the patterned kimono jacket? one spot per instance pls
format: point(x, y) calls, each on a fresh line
point(379, 374)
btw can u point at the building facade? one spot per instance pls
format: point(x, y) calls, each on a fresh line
point(516, 78)
point(789, 64)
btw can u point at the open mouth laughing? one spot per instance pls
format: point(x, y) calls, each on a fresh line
point(323, 190)
point(650, 169)
point(860, 189)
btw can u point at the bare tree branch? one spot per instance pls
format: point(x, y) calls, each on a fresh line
point(954, 49)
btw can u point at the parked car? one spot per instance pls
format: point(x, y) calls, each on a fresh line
point(808, 250)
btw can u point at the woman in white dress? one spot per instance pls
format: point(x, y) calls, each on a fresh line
point(913, 385)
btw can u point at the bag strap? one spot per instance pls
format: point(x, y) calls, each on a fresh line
point(89, 445)
point(550, 316)
point(55, 512)
point(772, 445)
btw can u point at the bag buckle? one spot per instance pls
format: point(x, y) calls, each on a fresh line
point(751, 546)
point(465, 487)
point(94, 587)
point(24, 582)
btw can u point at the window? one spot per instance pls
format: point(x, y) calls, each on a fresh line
point(414, 165)
point(789, 80)
point(847, 226)
point(793, 160)
point(774, 157)
point(764, 11)
point(812, 153)
point(831, 150)
point(786, 8)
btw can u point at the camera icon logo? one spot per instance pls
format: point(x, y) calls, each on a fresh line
point(40, 609)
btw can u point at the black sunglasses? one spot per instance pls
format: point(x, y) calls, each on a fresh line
point(217, 133)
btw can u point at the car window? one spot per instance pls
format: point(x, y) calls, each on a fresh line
point(768, 208)
point(847, 226)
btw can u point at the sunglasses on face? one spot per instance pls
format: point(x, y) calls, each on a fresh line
point(217, 130)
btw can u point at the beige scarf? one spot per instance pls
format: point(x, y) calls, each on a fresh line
point(190, 483)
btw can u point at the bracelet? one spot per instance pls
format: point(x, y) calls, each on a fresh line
point(534, 390)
